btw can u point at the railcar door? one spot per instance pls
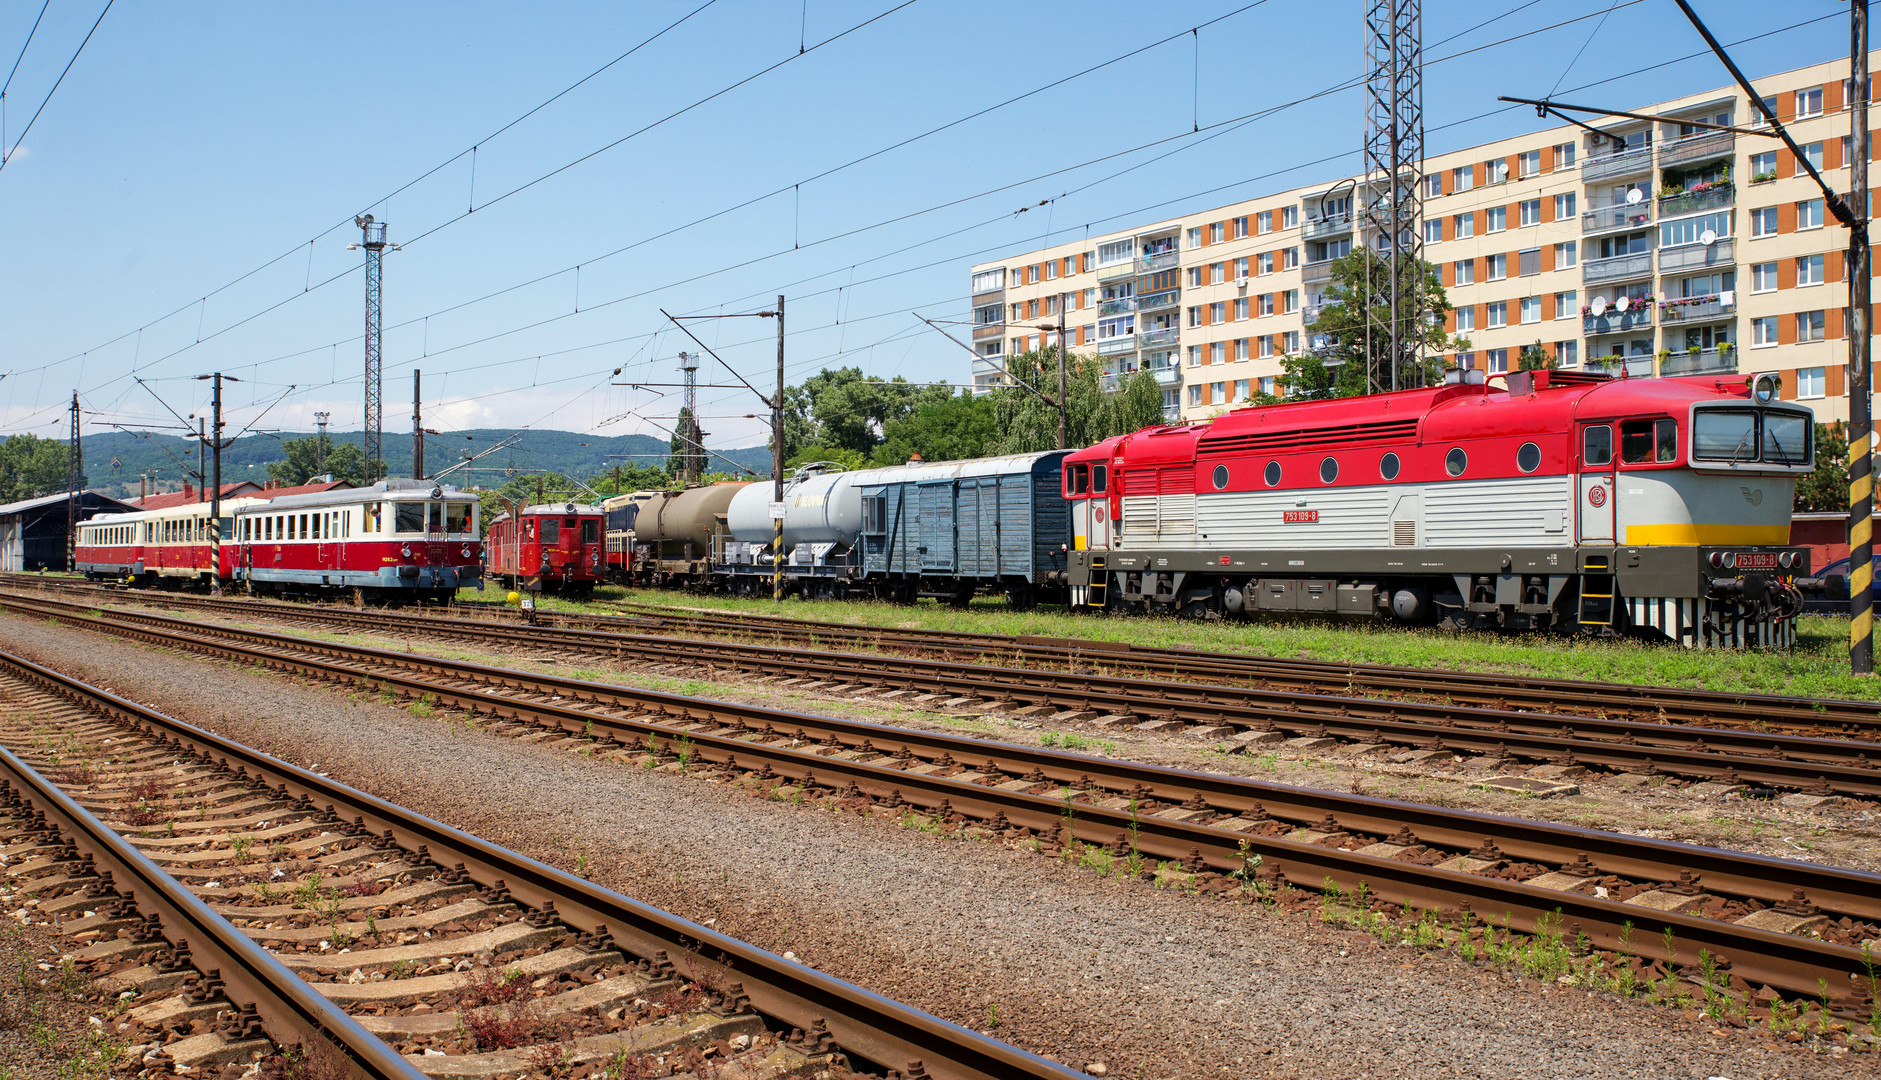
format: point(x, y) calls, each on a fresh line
point(1595, 507)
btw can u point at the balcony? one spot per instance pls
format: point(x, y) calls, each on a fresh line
point(1117, 270)
point(989, 332)
point(1696, 256)
point(1315, 272)
point(1157, 300)
point(1162, 260)
point(1623, 268)
point(1166, 375)
point(1122, 305)
point(1115, 345)
point(1694, 148)
point(1616, 322)
point(1638, 367)
point(1717, 197)
point(1699, 308)
point(1703, 362)
point(1615, 166)
point(1158, 339)
point(1616, 218)
point(1320, 228)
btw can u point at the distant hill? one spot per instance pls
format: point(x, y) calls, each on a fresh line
point(170, 458)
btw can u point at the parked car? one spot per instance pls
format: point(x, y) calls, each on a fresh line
point(1827, 588)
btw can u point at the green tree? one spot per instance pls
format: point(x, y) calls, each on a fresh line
point(841, 455)
point(685, 458)
point(953, 428)
point(1137, 404)
point(31, 467)
point(626, 479)
point(1825, 490)
point(1344, 367)
point(1026, 423)
point(346, 461)
point(1536, 358)
point(845, 409)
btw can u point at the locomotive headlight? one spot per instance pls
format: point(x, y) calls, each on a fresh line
point(1730, 560)
point(1764, 387)
point(1717, 560)
point(465, 551)
point(405, 551)
point(1785, 559)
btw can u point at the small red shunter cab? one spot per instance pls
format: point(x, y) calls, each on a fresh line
point(551, 547)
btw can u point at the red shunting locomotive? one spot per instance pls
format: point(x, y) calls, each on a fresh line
point(554, 547)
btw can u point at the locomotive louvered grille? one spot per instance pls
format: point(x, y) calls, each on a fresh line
point(1159, 501)
point(1310, 438)
point(1404, 533)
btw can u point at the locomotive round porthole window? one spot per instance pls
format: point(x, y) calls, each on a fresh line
point(1221, 477)
point(1456, 461)
point(1328, 470)
point(1388, 466)
point(1272, 475)
point(1528, 458)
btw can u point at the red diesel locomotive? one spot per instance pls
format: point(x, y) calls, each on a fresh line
point(557, 547)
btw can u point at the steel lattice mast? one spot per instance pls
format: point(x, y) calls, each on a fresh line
point(1391, 192)
point(373, 233)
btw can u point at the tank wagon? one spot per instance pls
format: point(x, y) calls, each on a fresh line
point(667, 537)
point(1556, 500)
point(943, 529)
point(554, 547)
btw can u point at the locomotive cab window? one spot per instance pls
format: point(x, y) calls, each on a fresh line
point(1100, 475)
point(1645, 442)
point(551, 531)
point(1597, 445)
point(410, 517)
point(1078, 480)
point(457, 517)
point(590, 530)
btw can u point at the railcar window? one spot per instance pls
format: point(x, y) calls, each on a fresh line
point(457, 517)
point(1388, 466)
point(590, 530)
point(1272, 475)
point(1080, 479)
point(1528, 457)
point(1724, 434)
point(1785, 438)
point(1329, 470)
point(551, 531)
point(1665, 436)
point(1221, 477)
point(1456, 461)
point(409, 517)
point(1100, 476)
point(1597, 445)
point(1636, 442)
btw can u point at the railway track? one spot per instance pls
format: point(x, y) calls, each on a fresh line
point(248, 907)
point(1795, 928)
point(1824, 766)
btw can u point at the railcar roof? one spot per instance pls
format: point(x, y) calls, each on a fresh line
point(376, 493)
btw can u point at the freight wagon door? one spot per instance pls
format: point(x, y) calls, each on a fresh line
point(1596, 484)
point(937, 525)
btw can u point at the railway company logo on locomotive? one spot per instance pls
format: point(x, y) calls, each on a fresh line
point(1597, 495)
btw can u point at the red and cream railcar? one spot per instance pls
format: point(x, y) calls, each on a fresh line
point(1556, 499)
point(560, 547)
point(396, 540)
point(167, 548)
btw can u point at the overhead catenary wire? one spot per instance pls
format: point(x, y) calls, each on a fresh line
point(8, 156)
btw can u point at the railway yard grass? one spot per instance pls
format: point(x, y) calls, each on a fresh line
point(1816, 667)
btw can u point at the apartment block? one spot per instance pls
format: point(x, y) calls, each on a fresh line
point(1656, 248)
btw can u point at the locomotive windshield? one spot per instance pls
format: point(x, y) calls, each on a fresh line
point(411, 517)
point(1744, 435)
point(457, 517)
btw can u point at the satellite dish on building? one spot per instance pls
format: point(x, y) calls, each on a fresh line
point(1709, 236)
point(1599, 306)
point(1634, 195)
point(1623, 303)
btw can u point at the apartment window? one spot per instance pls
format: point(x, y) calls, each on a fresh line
point(1267, 385)
point(1498, 314)
point(1530, 262)
point(1217, 312)
point(1496, 170)
point(1692, 230)
point(1564, 304)
point(1267, 303)
point(1216, 232)
point(1240, 390)
point(1466, 318)
point(1496, 361)
point(1564, 155)
point(1531, 309)
point(1495, 219)
point(1809, 214)
point(1090, 297)
point(1240, 348)
point(1195, 394)
point(1763, 332)
point(1564, 206)
point(1568, 352)
point(1465, 225)
point(1566, 254)
point(1531, 211)
point(1240, 267)
point(1217, 273)
point(1195, 237)
point(1289, 217)
point(1264, 345)
point(1462, 179)
point(1112, 252)
point(1265, 261)
point(1218, 352)
point(1466, 360)
point(1811, 382)
point(1290, 300)
point(987, 280)
point(1809, 325)
point(1763, 221)
point(1264, 221)
point(1813, 151)
point(1433, 231)
point(1195, 276)
point(1051, 270)
point(1195, 356)
point(1465, 272)
point(1848, 150)
point(1240, 309)
point(1195, 316)
point(1293, 342)
point(1497, 266)
point(986, 316)
point(1848, 91)
point(1809, 270)
point(1433, 185)
point(1240, 227)
point(1528, 164)
point(1217, 392)
point(1763, 164)
point(1290, 258)
point(1809, 102)
point(1763, 277)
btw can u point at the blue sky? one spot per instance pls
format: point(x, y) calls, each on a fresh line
point(193, 143)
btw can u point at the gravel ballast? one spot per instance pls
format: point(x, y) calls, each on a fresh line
point(1084, 969)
